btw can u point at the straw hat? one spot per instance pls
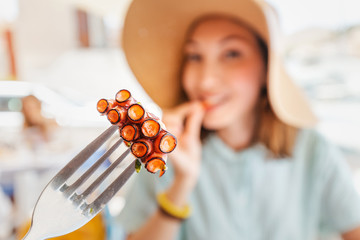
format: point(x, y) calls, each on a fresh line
point(154, 32)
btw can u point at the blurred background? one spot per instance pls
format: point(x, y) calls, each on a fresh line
point(66, 53)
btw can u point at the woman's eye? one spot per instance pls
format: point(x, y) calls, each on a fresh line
point(193, 57)
point(232, 54)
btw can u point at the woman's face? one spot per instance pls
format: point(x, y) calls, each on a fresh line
point(224, 68)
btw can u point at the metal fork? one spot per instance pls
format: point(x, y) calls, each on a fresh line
point(60, 209)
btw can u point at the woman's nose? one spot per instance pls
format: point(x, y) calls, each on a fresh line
point(210, 76)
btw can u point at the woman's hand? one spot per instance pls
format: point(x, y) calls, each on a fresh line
point(184, 122)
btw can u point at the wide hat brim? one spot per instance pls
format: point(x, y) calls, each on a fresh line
point(154, 33)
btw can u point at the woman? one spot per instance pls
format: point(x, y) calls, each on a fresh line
point(256, 171)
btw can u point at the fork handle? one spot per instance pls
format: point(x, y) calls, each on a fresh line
point(33, 235)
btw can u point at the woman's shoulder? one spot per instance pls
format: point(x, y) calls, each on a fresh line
point(312, 141)
point(315, 148)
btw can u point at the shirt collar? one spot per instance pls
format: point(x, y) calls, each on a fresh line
point(217, 146)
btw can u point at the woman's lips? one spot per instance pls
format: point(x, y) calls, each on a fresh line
point(213, 102)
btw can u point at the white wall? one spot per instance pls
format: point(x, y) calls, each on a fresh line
point(43, 31)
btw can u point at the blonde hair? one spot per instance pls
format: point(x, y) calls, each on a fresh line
point(278, 136)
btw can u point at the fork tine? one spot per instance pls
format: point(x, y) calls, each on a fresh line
point(69, 190)
point(81, 157)
point(110, 191)
point(101, 178)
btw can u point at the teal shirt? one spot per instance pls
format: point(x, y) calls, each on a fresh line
point(247, 195)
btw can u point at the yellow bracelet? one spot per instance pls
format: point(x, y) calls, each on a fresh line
point(172, 210)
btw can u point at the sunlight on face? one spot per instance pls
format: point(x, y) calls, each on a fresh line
point(224, 68)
